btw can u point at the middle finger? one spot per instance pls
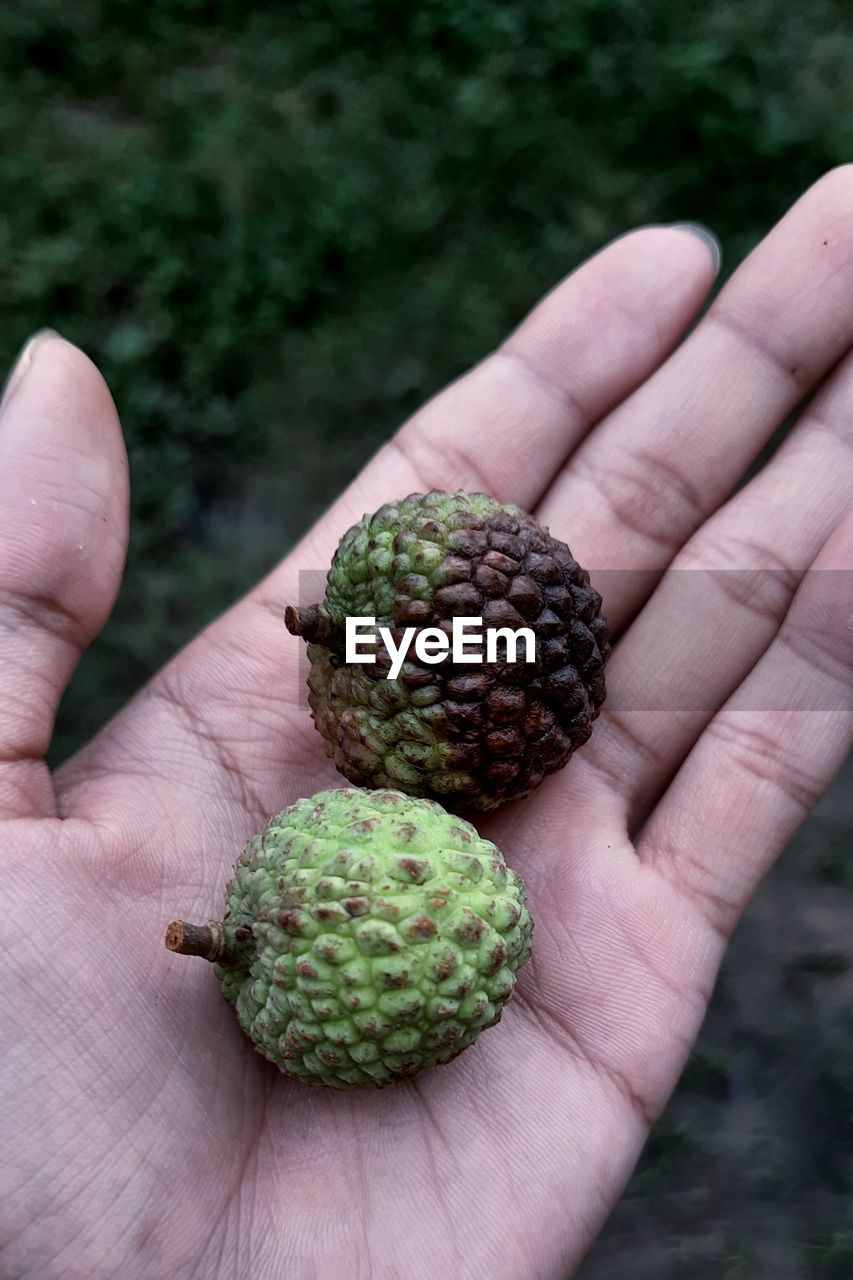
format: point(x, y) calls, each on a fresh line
point(666, 458)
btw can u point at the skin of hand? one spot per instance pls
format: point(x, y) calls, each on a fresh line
point(141, 1133)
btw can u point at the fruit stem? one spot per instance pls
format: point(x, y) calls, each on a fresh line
point(205, 940)
point(312, 622)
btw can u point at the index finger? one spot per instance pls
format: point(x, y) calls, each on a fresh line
point(509, 424)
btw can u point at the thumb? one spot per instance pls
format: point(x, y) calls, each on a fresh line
point(63, 538)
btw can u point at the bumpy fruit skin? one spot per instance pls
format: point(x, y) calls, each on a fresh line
point(472, 736)
point(385, 935)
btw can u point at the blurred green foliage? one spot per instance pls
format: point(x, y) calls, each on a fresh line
point(833, 1254)
point(278, 227)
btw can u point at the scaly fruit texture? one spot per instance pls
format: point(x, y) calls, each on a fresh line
point(470, 736)
point(367, 936)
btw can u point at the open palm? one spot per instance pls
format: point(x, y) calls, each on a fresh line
point(142, 1134)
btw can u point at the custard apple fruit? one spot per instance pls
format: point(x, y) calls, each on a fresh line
point(471, 736)
point(367, 935)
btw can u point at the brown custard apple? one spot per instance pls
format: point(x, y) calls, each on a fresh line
point(473, 736)
point(367, 935)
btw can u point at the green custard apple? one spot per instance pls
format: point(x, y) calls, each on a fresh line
point(471, 736)
point(367, 936)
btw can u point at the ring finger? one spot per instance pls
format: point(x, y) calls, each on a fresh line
point(719, 607)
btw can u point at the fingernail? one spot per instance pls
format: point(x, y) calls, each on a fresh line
point(706, 235)
point(22, 364)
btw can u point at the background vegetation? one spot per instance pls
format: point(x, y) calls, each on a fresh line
point(278, 227)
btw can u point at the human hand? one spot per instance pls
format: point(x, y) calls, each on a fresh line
point(143, 1136)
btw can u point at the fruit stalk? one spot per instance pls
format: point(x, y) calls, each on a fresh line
point(312, 622)
point(205, 940)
